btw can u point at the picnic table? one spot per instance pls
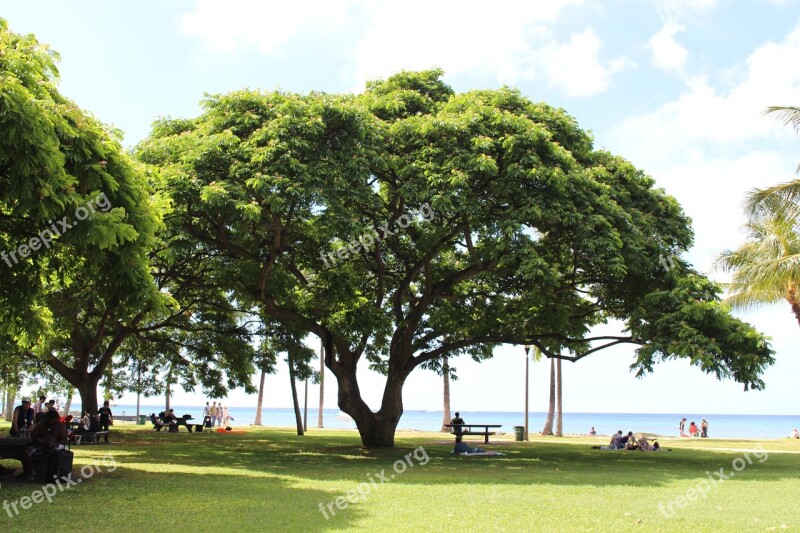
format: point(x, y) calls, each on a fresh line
point(13, 447)
point(485, 432)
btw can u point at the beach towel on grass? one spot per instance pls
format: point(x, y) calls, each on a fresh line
point(482, 454)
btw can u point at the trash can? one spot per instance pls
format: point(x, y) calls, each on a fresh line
point(519, 433)
point(141, 421)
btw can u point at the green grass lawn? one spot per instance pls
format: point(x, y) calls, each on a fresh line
point(273, 480)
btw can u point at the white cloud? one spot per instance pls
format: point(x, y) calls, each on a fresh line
point(676, 9)
point(705, 116)
point(667, 53)
point(509, 42)
point(576, 67)
point(266, 26)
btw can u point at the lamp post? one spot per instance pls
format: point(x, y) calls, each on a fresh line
point(527, 351)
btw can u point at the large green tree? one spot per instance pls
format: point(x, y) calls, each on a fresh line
point(411, 222)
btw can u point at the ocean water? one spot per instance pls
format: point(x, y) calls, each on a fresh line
point(723, 426)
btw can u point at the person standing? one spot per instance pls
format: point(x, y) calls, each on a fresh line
point(212, 412)
point(38, 407)
point(207, 416)
point(704, 429)
point(682, 427)
point(106, 418)
point(220, 414)
point(21, 418)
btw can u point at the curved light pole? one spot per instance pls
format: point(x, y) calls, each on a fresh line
point(527, 351)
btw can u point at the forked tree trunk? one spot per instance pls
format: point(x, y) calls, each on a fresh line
point(560, 418)
point(297, 416)
point(446, 418)
point(260, 402)
point(376, 429)
point(548, 425)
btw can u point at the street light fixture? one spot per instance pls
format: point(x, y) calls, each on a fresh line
point(527, 351)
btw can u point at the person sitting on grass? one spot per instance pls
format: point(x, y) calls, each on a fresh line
point(616, 441)
point(645, 446)
point(627, 441)
point(795, 434)
point(693, 430)
point(48, 436)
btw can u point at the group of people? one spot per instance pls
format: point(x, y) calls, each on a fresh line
point(629, 442)
point(26, 415)
point(216, 415)
point(48, 435)
point(694, 431)
point(91, 423)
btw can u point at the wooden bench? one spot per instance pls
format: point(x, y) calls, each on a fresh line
point(91, 437)
point(458, 430)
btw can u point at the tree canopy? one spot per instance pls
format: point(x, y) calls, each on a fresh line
point(86, 259)
point(413, 222)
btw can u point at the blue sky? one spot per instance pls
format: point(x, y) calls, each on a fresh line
point(677, 87)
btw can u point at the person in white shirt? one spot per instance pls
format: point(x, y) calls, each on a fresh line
point(38, 407)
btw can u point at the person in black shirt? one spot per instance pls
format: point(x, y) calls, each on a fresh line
point(22, 417)
point(106, 418)
point(457, 421)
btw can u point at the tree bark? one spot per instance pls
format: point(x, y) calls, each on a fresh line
point(68, 405)
point(11, 393)
point(560, 418)
point(169, 392)
point(260, 402)
point(548, 425)
point(297, 416)
point(321, 384)
point(376, 429)
point(88, 392)
point(793, 301)
point(446, 417)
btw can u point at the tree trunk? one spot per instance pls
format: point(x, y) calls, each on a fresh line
point(88, 392)
point(296, 403)
point(792, 298)
point(257, 421)
point(376, 429)
point(560, 418)
point(68, 405)
point(305, 406)
point(548, 425)
point(321, 384)
point(11, 393)
point(446, 418)
point(168, 389)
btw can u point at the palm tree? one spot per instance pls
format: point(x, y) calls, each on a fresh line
point(766, 268)
point(560, 417)
point(551, 409)
point(787, 194)
point(446, 418)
